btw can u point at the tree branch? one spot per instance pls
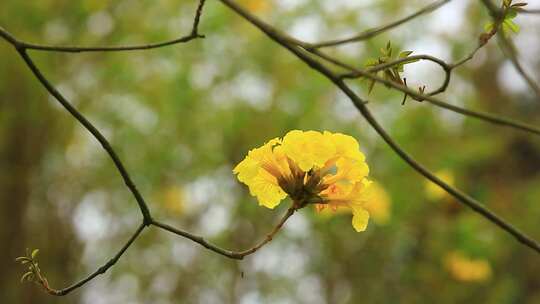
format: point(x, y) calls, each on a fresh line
point(78, 49)
point(378, 30)
point(238, 255)
point(507, 46)
point(509, 50)
point(495, 119)
point(22, 47)
point(305, 52)
point(100, 270)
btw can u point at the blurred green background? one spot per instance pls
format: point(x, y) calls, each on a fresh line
point(181, 117)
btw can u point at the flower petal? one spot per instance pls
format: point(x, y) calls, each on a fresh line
point(248, 168)
point(360, 218)
point(345, 146)
point(308, 149)
point(264, 186)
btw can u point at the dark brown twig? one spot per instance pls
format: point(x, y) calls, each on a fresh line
point(381, 29)
point(78, 49)
point(239, 255)
point(100, 270)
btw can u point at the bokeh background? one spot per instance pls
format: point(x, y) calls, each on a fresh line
point(181, 117)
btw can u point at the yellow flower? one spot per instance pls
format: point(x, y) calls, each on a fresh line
point(433, 191)
point(326, 169)
point(465, 269)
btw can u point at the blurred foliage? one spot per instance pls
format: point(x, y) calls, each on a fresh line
point(181, 117)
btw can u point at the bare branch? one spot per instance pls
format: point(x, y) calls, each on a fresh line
point(467, 58)
point(305, 52)
point(507, 46)
point(456, 193)
point(239, 255)
point(510, 52)
point(78, 49)
point(378, 30)
point(495, 119)
point(100, 270)
point(447, 69)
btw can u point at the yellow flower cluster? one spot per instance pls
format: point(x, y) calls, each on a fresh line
point(326, 169)
point(465, 269)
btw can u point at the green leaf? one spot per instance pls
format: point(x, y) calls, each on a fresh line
point(27, 276)
point(371, 62)
point(519, 4)
point(510, 25)
point(35, 253)
point(22, 259)
point(405, 54)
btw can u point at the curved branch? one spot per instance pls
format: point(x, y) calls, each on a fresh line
point(508, 48)
point(238, 255)
point(100, 270)
point(467, 58)
point(460, 196)
point(378, 30)
point(495, 119)
point(78, 49)
point(380, 67)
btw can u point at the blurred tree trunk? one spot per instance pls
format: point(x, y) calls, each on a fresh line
point(27, 124)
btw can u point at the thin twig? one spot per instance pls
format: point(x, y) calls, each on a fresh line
point(456, 193)
point(470, 56)
point(495, 119)
point(507, 46)
point(460, 196)
point(509, 50)
point(380, 67)
point(78, 49)
point(100, 270)
point(238, 255)
point(197, 19)
point(378, 30)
